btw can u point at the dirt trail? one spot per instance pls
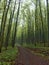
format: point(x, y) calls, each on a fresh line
point(27, 58)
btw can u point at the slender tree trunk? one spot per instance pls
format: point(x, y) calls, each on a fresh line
point(14, 37)
point(9, 26)
point(5, 4)
point(35, 34)
point(4, 23)
point(42, 27)
point(48, 19)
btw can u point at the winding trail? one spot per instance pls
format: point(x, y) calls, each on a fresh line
point(27, 58)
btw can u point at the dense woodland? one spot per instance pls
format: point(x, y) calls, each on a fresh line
point(24, 23)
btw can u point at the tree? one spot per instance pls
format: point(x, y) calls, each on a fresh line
point(9, 26)
point(15, 30)
point(48, 19)
point(36, 20)
point(3, 22)
point(1, 31)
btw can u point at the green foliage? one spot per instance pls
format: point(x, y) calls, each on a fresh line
point(24, 23)
point(38, 45)
point(7, 63)
point(9, 55)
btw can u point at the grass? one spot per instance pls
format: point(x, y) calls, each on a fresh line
point(6, 63)
point(38, 49)
point(40, 46)
point(8, 56)
point(46, 57)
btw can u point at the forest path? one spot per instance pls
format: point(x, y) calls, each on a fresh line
point(27, 58)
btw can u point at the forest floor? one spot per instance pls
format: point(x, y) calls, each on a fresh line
point(7, 57)
point(26, 57)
